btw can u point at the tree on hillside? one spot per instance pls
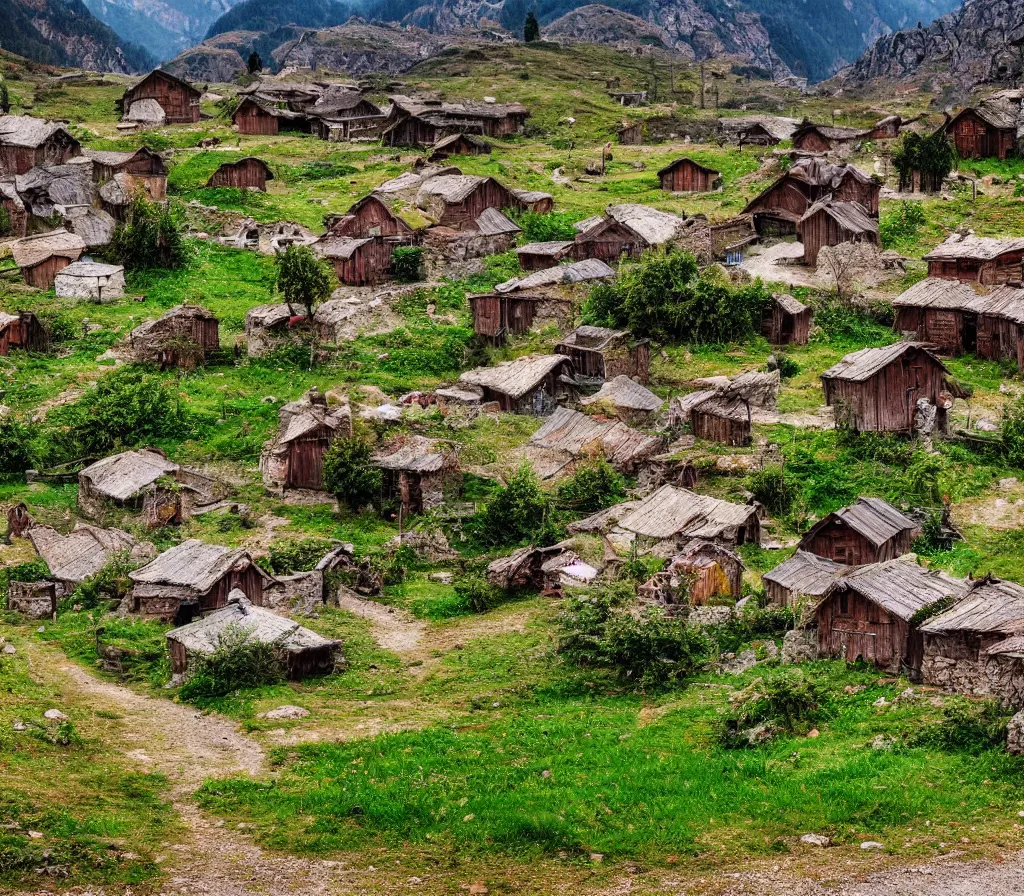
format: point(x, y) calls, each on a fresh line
point(150, 237)
point(531, 28)
point(932, 156)
point(255, 63)
point(303, 279)
point(5, 99)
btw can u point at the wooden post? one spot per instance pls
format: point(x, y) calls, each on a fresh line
point(702, 85)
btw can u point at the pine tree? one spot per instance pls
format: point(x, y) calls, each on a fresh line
point(531, 28)
point(255, 63)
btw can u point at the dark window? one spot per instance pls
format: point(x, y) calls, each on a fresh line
point(844, 604)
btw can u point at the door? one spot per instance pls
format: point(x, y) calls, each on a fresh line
point(853, 645)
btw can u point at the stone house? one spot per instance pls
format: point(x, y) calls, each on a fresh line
point(184, 336)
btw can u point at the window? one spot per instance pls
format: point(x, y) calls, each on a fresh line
point(844, 604)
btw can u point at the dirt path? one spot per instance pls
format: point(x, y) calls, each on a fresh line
point(393, 629)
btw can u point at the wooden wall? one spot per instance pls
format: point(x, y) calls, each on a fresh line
point(840, 543)
point(42, 275)
point(724, 430)
point(180, 105)
point(851, 627)
point(821, 229)
point(371, 218)
point(461, 215)
point(608, 242)
point(812, 141)
point(976, 139)
point(251, 119)
point(56, 150)
point(305, 462)
point(368, 264)
point(246, 174)
point(950, 330)
point(780, 327)
point(688, 177)
point(1007, 267)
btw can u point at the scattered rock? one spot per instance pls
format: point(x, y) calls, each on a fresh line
point(445, 578)
point(733, 664)
point(906, 696)
point(19, 725)
point(285, 712)
point(710, 617)
point(986, 426)
point(872, 844)
point(269, 399)
point(815, 840)
point(1015, 735)
point(800, 646)
point(55, 715)
point(9, 649)
point(1009, 482)
point(881, 703)
point(881, 742)
point(597, 857)
point(35, 835)
point(814, 733)
point(853, 688)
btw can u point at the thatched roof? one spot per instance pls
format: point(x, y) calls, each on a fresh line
point(33, 250)
point(337, 99)
point(81, 553)
point(900, 586)
point(113, 159)
point(577, 272)
point(935, 293)
point(414, 454)
point(1006, 302)
point(990, 607)
point(169, 318)
point(195, 565)
point(29, 132)
point(805, 573)
point(672, 511)
point(516, 378)
point(654, 227)
point(595, 338)
point(123, 476)
point(297, 418)
point(258, 624)
point(491, 222)
point(850, 216)
point(859, 366)
point(975, 248)
point(451, 187)
point(997, 113)
point(576, 434)
point(622, 392)
point(872, 518)
point(344, 247)
point(604, 519)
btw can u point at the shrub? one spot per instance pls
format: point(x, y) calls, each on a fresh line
point(783, 702)
point(407, 264)
point(966, 726)
point(303, 279)
point(59, 326)
point(5, 221)
point(786, 366)
point(518, 512)
point(29, 571)
point(150, 237)
point(591, 488)
point(1013, 432)
point(475, 593)
point(297, 555)
point(933, 155)
point(15, 447)
point(774, 489)
point(902, 224)
point(544, 228)
point(109, 585)
point(237, 663)
point(350, 474)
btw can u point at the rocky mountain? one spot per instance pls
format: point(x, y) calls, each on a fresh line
point(595, 24)
point(64, 32)
point(980, 43)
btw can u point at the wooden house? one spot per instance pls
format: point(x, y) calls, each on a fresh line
point(556, 277)
point(41, 256)
point(630, 134)
point(536, 201)
point(83, 552)
point(541, 256)
point(417, 472)
point(786, 321)
point(877, 389)
point(803, 575)
point(245, 174)
point(1000, 324)
point(779, 208)
point(142, 168)
point(976, 647)
point(625, 230)
point(422, 122)
point(868, 531)
point(306, 428)
point(17, 215)
point(22, 330)
point(763, 130)
point(184, 336)
point(941, 313)
point(823, 138)
point(867, 613)
point(459, 145)
point(27, 143)
point(370, 217)
point(626, 399)
point(687, 176)
point(534, 384)
point(673, 513)
point(342, 114)
point(253, 115)
point(725, 419)
point(458, 200)
point(977, 259)
point(357, 262)
point(986, 131)
point(197, 575)
point(701, 573)
point(600, 353)
point(499, 315)
point(178, 99)
point(301, 652)
point(543, 569)
point(829, 223)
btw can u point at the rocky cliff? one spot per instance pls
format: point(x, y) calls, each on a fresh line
point(978, 44)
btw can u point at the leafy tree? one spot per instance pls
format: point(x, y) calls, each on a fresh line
point(255, 63)
point(592, 488)
point(932, 155)
point(350, 474)
point(518, 511)
point(303, 279)
point(5, 99)
point(15, 442)
point(531, 28)
point(150, 237)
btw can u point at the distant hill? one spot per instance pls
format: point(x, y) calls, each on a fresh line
point(269, 15)
point(64, 32)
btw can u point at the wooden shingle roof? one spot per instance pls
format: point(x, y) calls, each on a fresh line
point(194, 564)
point(900, 587)
point(874, 519)
point(936, 293)
point(672, 511)
point(122, 476)
point(991, 606)
point(977, 248)
point(862, 365)
point(516, 378)
point(805, 573)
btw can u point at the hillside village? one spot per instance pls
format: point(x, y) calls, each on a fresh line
point(500, 478)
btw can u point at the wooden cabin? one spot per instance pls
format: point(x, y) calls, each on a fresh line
point(779, 208)
point(184, 336)
point(342, 114)
point(630, 134)
point(246, 174)
point(198, 575)
point(762, 130)
point(986, 131)
point(422, 122)
point(178, 99)
point(977, 259)
point(676, 514)
point(541, 256)
point(534, 384)
point(823, 138)
point(255, 116)
point(941, 313)
point(802, 576)
point(499, 315)
point(868, 531)
point(459, 145)
point(458, 200)
point(687, 176)
point(1000, 324)
point(42, 256)
point(702, 573)
point(625, 399)
point(27, 143)
point(141, 168)
point(600, 353)
point(625, 230)
point(306, 428)
point(22, 330)
point(786, 321)
point(83, 552)
point(417, 472)
point(724, 419)
point(829, 223)
point(371, 217)
point(867, 613)
point(357, 262)
point(877, 389)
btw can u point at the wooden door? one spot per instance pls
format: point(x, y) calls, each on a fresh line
point(852, 645)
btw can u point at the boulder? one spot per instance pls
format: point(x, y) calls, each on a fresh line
point(815, 840)
point(1015, 735)
point(285, 712)
point(800, 645)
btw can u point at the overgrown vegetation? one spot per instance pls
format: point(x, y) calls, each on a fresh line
point(783, 702)
point(151, 237)
point(350, 474)
point(303, 280)
point(239, 662)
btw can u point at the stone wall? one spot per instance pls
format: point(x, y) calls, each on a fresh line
point(1001, 677)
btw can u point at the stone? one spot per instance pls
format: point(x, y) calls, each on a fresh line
point(9, 649)
point(815, 840)
point(986, 426)
point(733, 664)
point(285, 712)
point(800, 646)
point(710, 617)
point(909, 695)
point(19, 725)
point(881, 703)
point(872, 844)
point(444, 578)
point(1009, 482)
point(1015, 735)
point(881, 742)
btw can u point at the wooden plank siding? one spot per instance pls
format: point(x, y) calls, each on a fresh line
point(462, 215)
point(368, 264)
point(179, 100)
point(838, 542)
point(371, 217)
point(851, 627)
point(1004, 269)
point(608, 241)
point(686, 176)
point(821, 229)
point(974, 138)
point(245, 174)
point(306, 459)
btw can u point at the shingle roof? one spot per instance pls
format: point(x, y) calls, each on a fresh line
point(574, 433)
point(805, 573)
point(577, 272)
point(622, 392)
point(81, 553)
point(672, 511)
point(24, 130)
point(122, 476)
point(452, 187)
point(553, 248)
point(899, 586)
point(789, 304)
point(491, 222)
point(862, 365)
point(990, 606)
point(671, 166)
point(516, 378)
point(851, 216)
point(935, 293)
point(35, 249)
point(874, 519)
point(980, 248)
point(194, 564)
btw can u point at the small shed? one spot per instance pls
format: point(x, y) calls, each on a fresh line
point(196, 574)
point(567, 435)
point(371, 217)
point(35, 600)
point(83, 552)
point(177, 99)
point(802, 575)
point(722, 418)
point(12, 203)
point(306, 428)
point(786, 321)
point(42, 256)
point(458, 200)
point(541, 256)
point(877, 389)
point(701, 573)
point(301, 652)
point(459, 145)
point(1000, 324)
point(534, 384)
point(867, 613)
point(600, 353)
point(626, 399)
point(977, 259)
point(687, 176)
point(417, 472)
point(564, 275)
point(625, 230)
point(141, 169)
point(985, 131)
point(676, 513)
point(91, 280)
point(941, 313)
point(825, 138)
point(357, 261)
point(249, 173)
point(254, 115)
point(499, 315)
point(536, 201)
point(829, 223)
point(22, 330)
point(868, 531)
point(184, 336)
point(27, 142)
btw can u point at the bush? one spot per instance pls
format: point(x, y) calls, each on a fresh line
point(407, 264)
point(966, 726)
point(902, 224)
point(475, 593)
point(547, 228)
point(15, 448)
point(237, 663)
point(786, 366)
point(5, 221)
point(297, 555)
point(109, 585)
point(772, 488)
point(783, 702)
point(350, 474)
point(519, 511)
point(601, 629)
point(303, 280)
point(151, 237)
point(591, 488)
point(59, 326)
